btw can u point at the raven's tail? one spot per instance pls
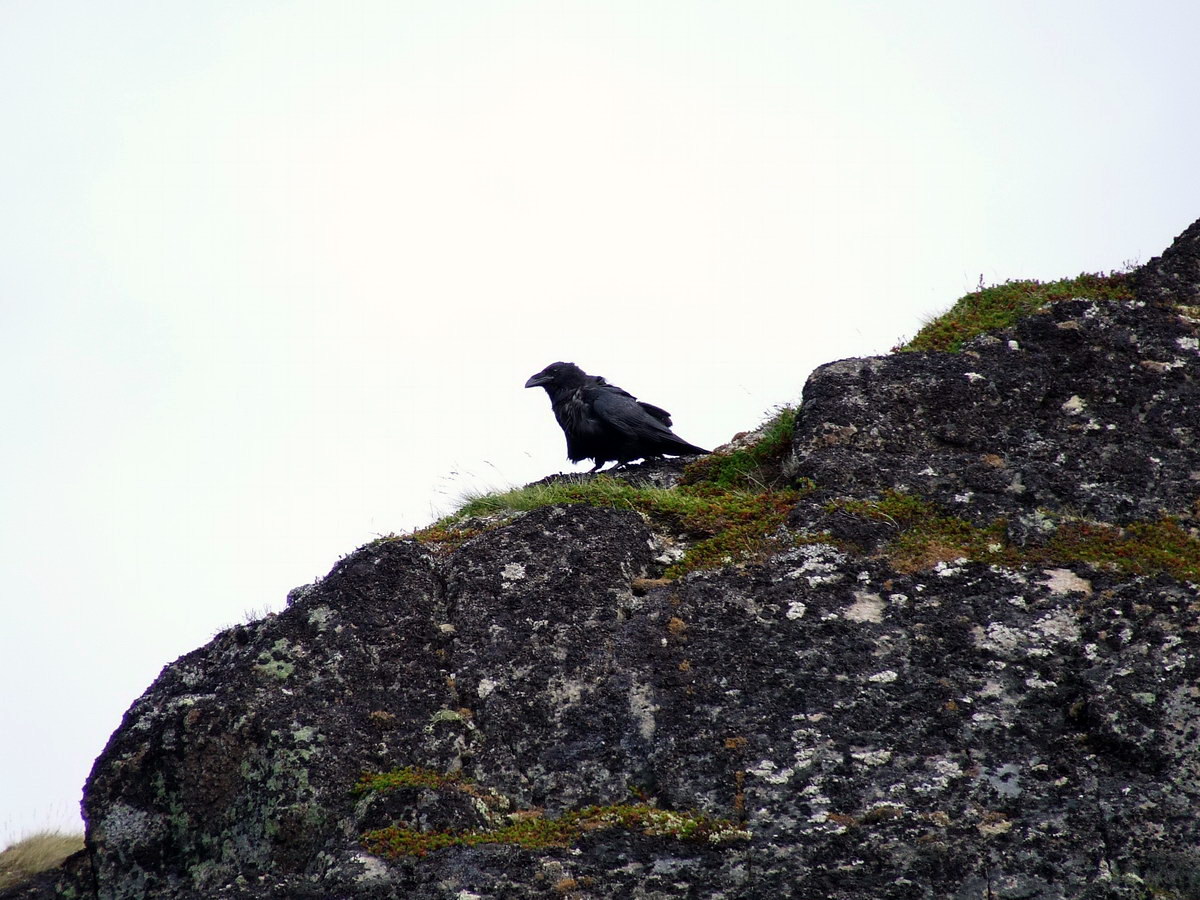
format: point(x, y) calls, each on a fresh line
point(677, 446)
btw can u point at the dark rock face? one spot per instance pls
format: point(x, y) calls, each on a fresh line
point(1085, 408)
point(968, 731)
point(1173, 277)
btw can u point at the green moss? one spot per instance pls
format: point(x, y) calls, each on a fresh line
point(740, 527)
point(1000, 306)
point(1141, 548)
point(533, 832)
point(731, 524)
point(756, 467)
point(732, 503)
point(925, 536)
point(407, 777)
point(526, 828)
point(444, 535)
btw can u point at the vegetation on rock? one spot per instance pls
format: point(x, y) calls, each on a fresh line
point(36, 853)
point(731, 503)
point(529, 829)
point(1000, 306)
point(925, 536)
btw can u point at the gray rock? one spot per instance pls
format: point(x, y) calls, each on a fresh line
point(1088, 408)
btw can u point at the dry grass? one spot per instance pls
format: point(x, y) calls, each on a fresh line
point(36, 853)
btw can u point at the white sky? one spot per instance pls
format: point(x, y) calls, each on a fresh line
point(273, 273)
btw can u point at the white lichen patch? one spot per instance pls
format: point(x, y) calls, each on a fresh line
point(867, 607)
point(887, 676)
point(950, 569)
point(486, 687)
point(998, 638)
point(768, 771)
point(564, 692)
point(818, 564)
point(511, 573)
point(946, 769)
point(973, 377)
point(796, 610)
point(643, 708)
point(1188, 343)
point(871, 757)
point(1064, 581)
point(1074, 406)
point(1172, 653)
point(126, 825)
point(728, 834)
point(1058, 626)
point(373, 869)
point(993, 828)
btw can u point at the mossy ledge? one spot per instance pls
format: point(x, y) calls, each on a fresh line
point(1000, 306)
point(927, 536)
point(732, 503)
point(529, 829)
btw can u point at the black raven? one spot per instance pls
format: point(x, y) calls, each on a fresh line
point(603, 422)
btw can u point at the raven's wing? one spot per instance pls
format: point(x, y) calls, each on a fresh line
point(657, 411)
point(620, 410)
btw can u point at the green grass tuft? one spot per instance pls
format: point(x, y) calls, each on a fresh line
point(732, 504)
point(34, 854)
point(756, 467)
point(1000, 306)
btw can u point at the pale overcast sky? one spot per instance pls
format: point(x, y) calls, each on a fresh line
point(273, 273)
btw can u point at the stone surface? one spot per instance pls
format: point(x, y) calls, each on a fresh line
point(964, 731)
point(1087, 408)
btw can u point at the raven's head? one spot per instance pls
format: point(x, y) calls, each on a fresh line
point(559, 374)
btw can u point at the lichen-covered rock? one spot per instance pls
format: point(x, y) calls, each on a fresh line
point(237, 764)
point(1088, 408)
point(1174, 277)
point(537, 713)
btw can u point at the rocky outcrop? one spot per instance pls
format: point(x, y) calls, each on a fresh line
point(1087, 407)
point(537, 713)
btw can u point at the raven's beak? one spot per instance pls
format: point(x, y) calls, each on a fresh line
point(537, 380)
